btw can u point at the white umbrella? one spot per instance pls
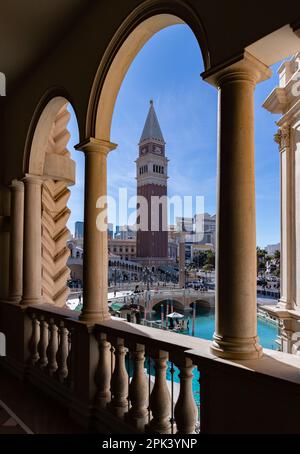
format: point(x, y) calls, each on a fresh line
point(175, 315)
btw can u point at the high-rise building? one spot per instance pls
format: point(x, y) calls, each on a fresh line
point(79, 229)
point(152, 176)
point(205, 228)
point(110, 230)
point(125, 232)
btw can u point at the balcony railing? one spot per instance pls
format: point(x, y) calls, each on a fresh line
point(121, 377)
point(131, 371)
point(126, 388)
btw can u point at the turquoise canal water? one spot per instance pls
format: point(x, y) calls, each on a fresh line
point(204, 328)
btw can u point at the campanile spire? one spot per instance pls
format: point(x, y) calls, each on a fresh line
point(152, 177)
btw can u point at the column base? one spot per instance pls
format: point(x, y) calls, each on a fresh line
point(236, 347)
point(287, 304)
point(15, 299)
point(94, 316)
point(30, 301)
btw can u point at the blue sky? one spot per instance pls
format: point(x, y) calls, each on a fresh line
point(167, 70)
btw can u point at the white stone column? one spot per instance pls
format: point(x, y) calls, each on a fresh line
point(95, 254)
point(236, 322)
point(287, 204)
point(32, 266)
point(295, 149)
point(16, 241)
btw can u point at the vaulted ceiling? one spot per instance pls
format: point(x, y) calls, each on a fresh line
point(30, 28)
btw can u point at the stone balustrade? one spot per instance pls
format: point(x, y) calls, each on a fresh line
point(131, 371)
point(118, 377)
point(142, 357)
point(50, 344)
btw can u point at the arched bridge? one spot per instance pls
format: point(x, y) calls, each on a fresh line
point(181, 298)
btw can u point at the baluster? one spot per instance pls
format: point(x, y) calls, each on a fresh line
point(160, 401)
point(138, 390)
point(70, 359)
point(119, 380)
point(103, 372)
point(127, 359)
point(185, 408)
point(52, 347)
point(112, 359)
point(34, 340)
point(199, 406)
point(62, 353)
point(149, 389)
point(43, 343)
point(172, 370)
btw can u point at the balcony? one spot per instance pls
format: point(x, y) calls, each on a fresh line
point(118, 377)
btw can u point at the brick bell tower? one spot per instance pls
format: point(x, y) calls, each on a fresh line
point(152, 176)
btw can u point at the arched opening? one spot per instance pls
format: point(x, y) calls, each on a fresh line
point(112, 70)
point(174, 304)
point(134, 34)
point(204, 306)
point(105, 92)
point(49, 160)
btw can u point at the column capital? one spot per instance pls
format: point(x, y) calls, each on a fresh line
point(282, 137)
point(245, 67)
point(17, 185)
point(95, 145)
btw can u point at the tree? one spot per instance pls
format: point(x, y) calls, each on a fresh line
point(200, 259)
point(210, 258)
point(208, 267)
point(277, 255)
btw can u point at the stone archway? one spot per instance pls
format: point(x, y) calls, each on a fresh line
point(177, 305)
point(50, 160)
point(136, 30)
point(145, 21)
